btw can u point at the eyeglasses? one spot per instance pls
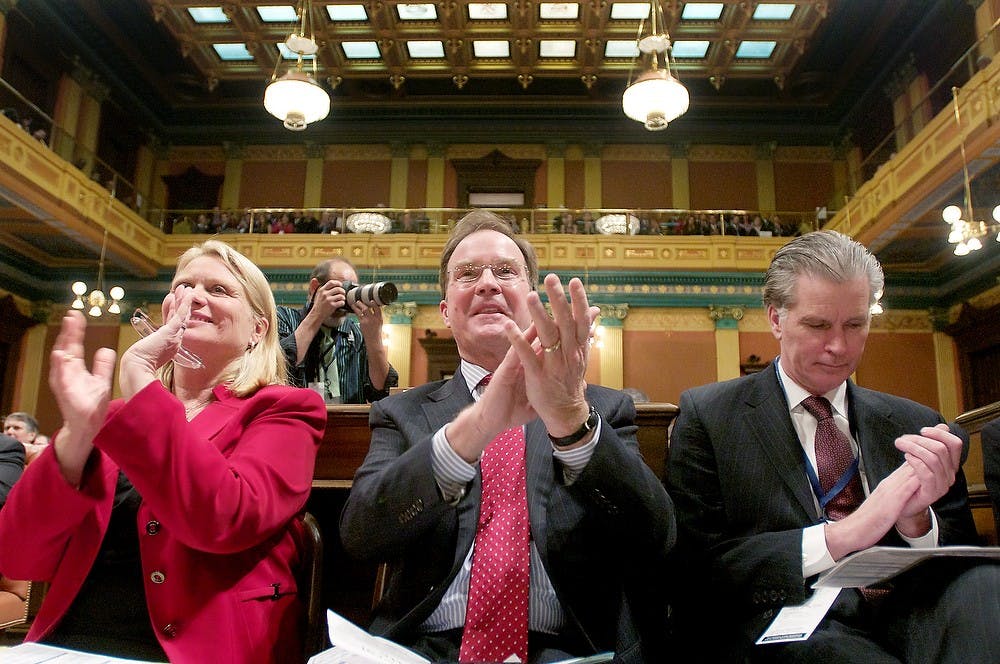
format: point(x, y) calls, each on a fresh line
point(468, 274)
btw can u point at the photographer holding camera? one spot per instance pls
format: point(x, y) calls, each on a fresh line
point(330, 351)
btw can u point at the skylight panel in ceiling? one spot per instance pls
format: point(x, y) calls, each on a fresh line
point(634, 11)
point(347, 12)
point(361, 50)
point(491, 48)
point(755, 50)
point(557, 48)
point(208, 15)
point(620, 48)
point(559, 11)
point(773, 11)
point(232, 52)
point(702, 11)
point(488, 11)
point(690, 48)
point(420, 48)
point(416, 12)
point(277, 14)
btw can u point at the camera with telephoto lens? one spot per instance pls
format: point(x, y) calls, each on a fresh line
point(378, 294)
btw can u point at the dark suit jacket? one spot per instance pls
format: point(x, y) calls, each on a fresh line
point(991, 466)
point(737, 475)
point(601, 539)
point(11, 464)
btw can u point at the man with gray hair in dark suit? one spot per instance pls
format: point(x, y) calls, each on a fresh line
point(780, 474)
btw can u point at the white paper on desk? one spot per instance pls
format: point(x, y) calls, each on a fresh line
point(353, 645)
point(38, 653)
point(868, 567)
point(796, 623)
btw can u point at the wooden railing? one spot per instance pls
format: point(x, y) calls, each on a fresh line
point(982, 508)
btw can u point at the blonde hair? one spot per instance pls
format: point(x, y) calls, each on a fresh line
point(264, 363)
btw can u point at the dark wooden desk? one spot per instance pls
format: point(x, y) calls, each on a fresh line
point(345, 443)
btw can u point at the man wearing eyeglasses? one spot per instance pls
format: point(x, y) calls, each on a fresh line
point(511, 500)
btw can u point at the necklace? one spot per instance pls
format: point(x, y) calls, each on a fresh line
point(197, 407)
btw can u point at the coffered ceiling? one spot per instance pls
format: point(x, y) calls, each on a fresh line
point(518, 71)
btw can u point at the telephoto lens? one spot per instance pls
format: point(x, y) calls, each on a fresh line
point(378, 294)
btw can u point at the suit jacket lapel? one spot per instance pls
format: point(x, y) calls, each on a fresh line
point(874, 429)
point(768, 421)
point(538, 458)
point(440, 408)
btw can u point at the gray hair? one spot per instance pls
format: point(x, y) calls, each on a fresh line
point(822, 254)
point(30, 423)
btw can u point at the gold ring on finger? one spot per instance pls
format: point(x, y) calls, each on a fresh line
point(554, 347)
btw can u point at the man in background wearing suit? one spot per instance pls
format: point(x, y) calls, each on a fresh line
point(750, 467)
point(595, 523)
point(11, 464)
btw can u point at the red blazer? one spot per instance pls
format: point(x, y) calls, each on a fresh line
point(218, 539)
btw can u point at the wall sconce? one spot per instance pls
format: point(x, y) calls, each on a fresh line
point(96, 299)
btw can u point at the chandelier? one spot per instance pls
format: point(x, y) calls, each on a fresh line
point(655, 98)
point(96, 300)
point(296, 98)
point(966, 231)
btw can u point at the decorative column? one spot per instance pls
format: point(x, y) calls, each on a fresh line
point(611, 320)
point(727, 340)
point(947, 366)
point(897, 90)
point(986, 15)
point(556, 177)
point(145, 162)
point(312, 196)
point(592, 194)
point(399, 175)
point(435, 183)
point(65, 115)
point(397, 335)
point(234, 174)
point(680, 176)
point(764, 164)
point(87, 123)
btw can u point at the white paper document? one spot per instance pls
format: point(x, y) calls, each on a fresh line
point(37, 653)
point(796, 623)
point(868, 567)
point(353, 645)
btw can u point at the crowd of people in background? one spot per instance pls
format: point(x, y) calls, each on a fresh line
point(584, 222)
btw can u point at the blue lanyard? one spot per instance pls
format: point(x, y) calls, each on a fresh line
point(845, 478)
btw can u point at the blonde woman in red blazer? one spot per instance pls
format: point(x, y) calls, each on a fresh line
point(166, 520)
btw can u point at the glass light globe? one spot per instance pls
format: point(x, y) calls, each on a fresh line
point(876, 309)
point(114, 308)
point(297, 100)
point(117, 292)
point(951, 214)
point(79, 288)
point(955, 236)
point(996, 213)
point(961, 249)
point(95, 312)
point(655, 99)
point(974, 244)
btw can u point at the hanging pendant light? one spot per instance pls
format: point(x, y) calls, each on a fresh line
point(655, 98)
point(96, 300)
point(296, 98)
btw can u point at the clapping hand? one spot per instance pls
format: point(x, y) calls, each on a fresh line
point(82, 394)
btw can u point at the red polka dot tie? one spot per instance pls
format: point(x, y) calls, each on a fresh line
point(833, 458)
point(496, 616)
